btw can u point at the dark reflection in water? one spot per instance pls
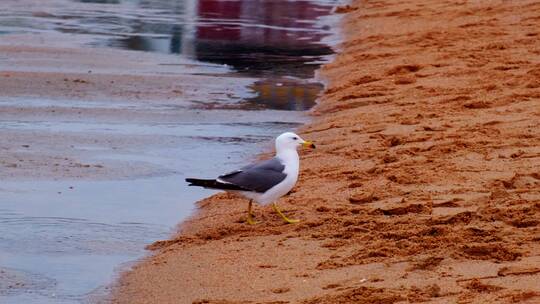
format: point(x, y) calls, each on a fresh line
point(269, 39)
point(271, 36)
point(266, 39)
point(296, 95)
point(253, 36)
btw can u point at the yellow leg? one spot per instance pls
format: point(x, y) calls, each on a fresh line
point(286, 219)
point(250, 214)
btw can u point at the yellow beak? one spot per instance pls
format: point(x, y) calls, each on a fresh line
point(308, 144)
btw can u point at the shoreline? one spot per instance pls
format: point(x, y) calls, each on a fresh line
point(423, 187)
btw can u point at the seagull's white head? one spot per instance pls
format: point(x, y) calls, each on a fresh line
point(291, 141)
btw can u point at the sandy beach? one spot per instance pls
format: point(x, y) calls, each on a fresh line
point(425, 186)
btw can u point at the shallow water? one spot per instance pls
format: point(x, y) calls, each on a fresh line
point(62, 237)
point(279, 41)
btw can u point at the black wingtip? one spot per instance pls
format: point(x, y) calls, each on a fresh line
point(196, 182)
point(213, 184)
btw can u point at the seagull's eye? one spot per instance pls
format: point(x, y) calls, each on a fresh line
point(295, 138)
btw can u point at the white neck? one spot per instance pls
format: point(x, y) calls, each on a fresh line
point(288, 155)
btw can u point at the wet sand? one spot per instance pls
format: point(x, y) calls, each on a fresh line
point(425, 186)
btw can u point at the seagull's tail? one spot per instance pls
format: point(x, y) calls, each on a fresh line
point(212, 184)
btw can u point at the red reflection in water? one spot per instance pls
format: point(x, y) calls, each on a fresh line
point(269, 19)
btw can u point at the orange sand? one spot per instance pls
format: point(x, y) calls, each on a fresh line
point(425, 185)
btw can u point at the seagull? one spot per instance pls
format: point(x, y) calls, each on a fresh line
point(266, 181)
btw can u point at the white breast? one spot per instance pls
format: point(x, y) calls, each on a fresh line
point(292, 167)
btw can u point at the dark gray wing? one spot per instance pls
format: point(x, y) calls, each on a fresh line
point(258, 177)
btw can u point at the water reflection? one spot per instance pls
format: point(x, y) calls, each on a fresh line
point(284, 94)
point(273, 36)
point(253, 36)
point(266, 39)
point(260, 38)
